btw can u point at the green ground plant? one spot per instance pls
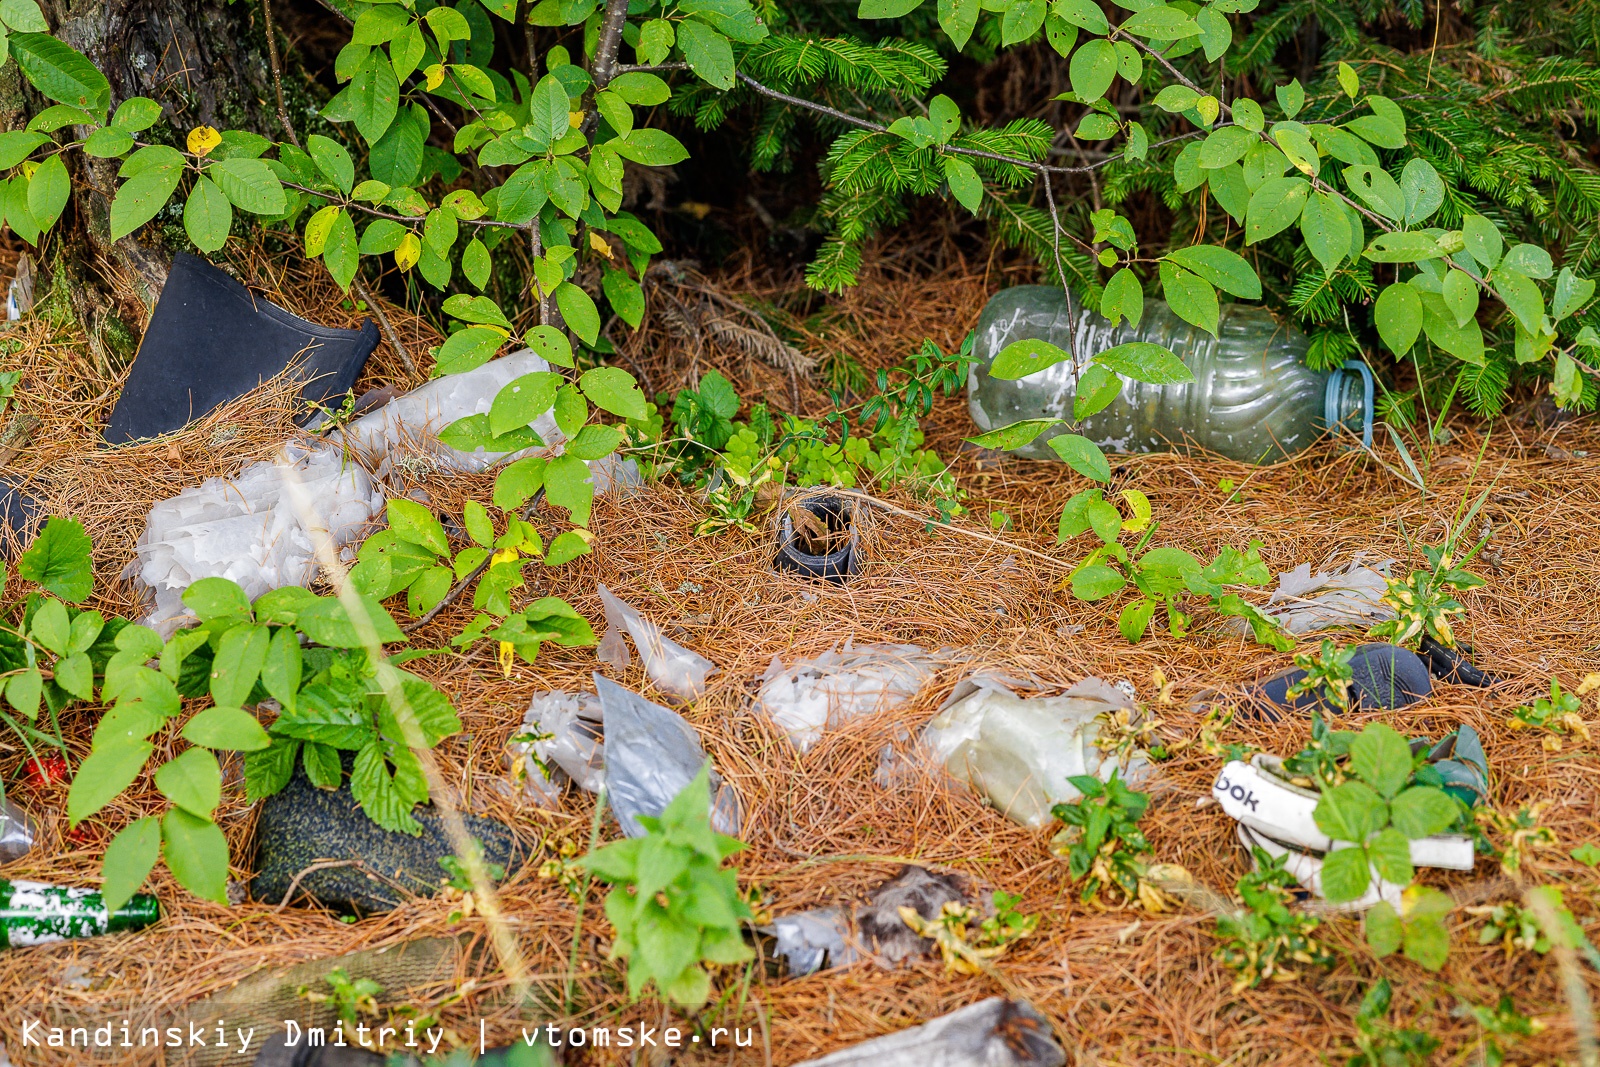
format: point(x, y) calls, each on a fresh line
point(1556, 716)
point(1328, 674)
point(1269, 940)
point(1102, 842)
point(1379, 1043)
point(673, 905)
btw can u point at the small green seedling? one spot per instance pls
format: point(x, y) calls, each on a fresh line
point(1556, 715)
point(1269, 940)
point(1381, 1044)
point(1498, 1026)
point(1328, 674)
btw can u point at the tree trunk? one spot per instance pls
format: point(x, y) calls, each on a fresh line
point(204, 62)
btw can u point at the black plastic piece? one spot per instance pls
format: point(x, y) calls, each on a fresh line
point(1383, 676)
point(837, 515)
point(18, 511)
point(211, 340)
point(1455, 664)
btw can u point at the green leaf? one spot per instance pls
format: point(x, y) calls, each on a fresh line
point(48, 191)
point(136, 113)
point(327, 623)
point(251, 186)
point(17, 145)
point(1422, 811)
point(1460, 294)
point(322, 765)
point(566, 546)
point(1291, 98)
point(1145, 362)
point(1216, 37)
point(1423, 189)
point(1224, 146)
point(128, 861)
point(1075, 515)
point(1190, 298)
point(75, 674)
point(1122, 298)
point(1427, 935)
point(518, 403)
point(60, 72)
point(1162, 22)
point(650, 147)
point(50, 627)
point(579, 312)
point(1222, 267)
point(1345, 875)
point(1398, 317)
point(1093, 67)
point(708, 53)
point(372, 99)
point(594, 442)
point(613, 389)
point(958, 18)
point(1380, 192)
point(23, 691)
point(625, 296)
point(417, 524)
point(1085, 14)
point(226, 728)
point(196, 854)
point(1022, 358)
point(567, 485)
point(107, 772)
point(469, 349)
point(266, 772)
point(1403, 247)
point(1380, 756)
point(886, 9)
point(1082, 455)
point(216, 598)
point(1530, 261)
point(59, 562)
point(1483, 241)
point(640, 88)
point(1326, 230)
point(207, 216)
point(1014, 435)
point(1021, 21)
point(1571, 294)
point(1383, 929)
point(571, 410)
point(1135, 619)
point(240, 655)
point(1385, 127)
point(965, 184)
point(551, 344)
point(387, 797)
point(192, 780)
point(1176, 99)
point(23, 16)
point(1350, 811)
point(1274, 207)
point(1096, 582)
point(340, 252)
point(333, 161)
point(1098, 387)
point(1390, 854)
point(1463, 341)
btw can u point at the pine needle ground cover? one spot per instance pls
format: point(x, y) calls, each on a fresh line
point(1122, 987)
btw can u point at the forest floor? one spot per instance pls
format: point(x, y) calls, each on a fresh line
point(1122, 987)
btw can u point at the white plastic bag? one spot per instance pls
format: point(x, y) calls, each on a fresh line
point(566, 742)
point(651, 753)
point(1019, 753)
point(409, 425)
point(838, 686)
point(991, 1033)
point(250, 528)
point(674, 669)
point(1348, 596)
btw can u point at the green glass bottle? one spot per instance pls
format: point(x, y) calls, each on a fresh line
point(32, 913)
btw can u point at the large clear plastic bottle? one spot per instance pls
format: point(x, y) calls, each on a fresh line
point(1253, 398)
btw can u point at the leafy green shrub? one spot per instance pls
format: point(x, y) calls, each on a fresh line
point(1328, 674)
point(1556, 715)
point(673, 905)
point(1102, 841)
point(1269, 939)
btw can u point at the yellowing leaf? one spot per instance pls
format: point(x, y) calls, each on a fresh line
point(1139, 505)
point(433, 77)
point(601, 245)
point(410, 250)
point(202, 139)
point(505, 653)
point(575, 119)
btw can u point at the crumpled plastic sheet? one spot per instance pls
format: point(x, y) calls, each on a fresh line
point(808, 941)
point(569, 729)
point(651, 753)
point(991, 1033)
point(17, 832)
point(674, 669)
point(250, 528)
point(409, 425)
point(1347, 596)
point(826, 692)
point(1019, 753)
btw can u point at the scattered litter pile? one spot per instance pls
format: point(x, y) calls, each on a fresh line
point(792, 689)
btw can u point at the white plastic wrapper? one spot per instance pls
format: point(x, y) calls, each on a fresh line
point(17, 832)
point(674, 669)
point(826, 692)
point(409, 425)
point(991, 1033)
point(567, 731)
point(651, 753)
point(250, 528)
point(1019, 753)
point(1347, 596)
